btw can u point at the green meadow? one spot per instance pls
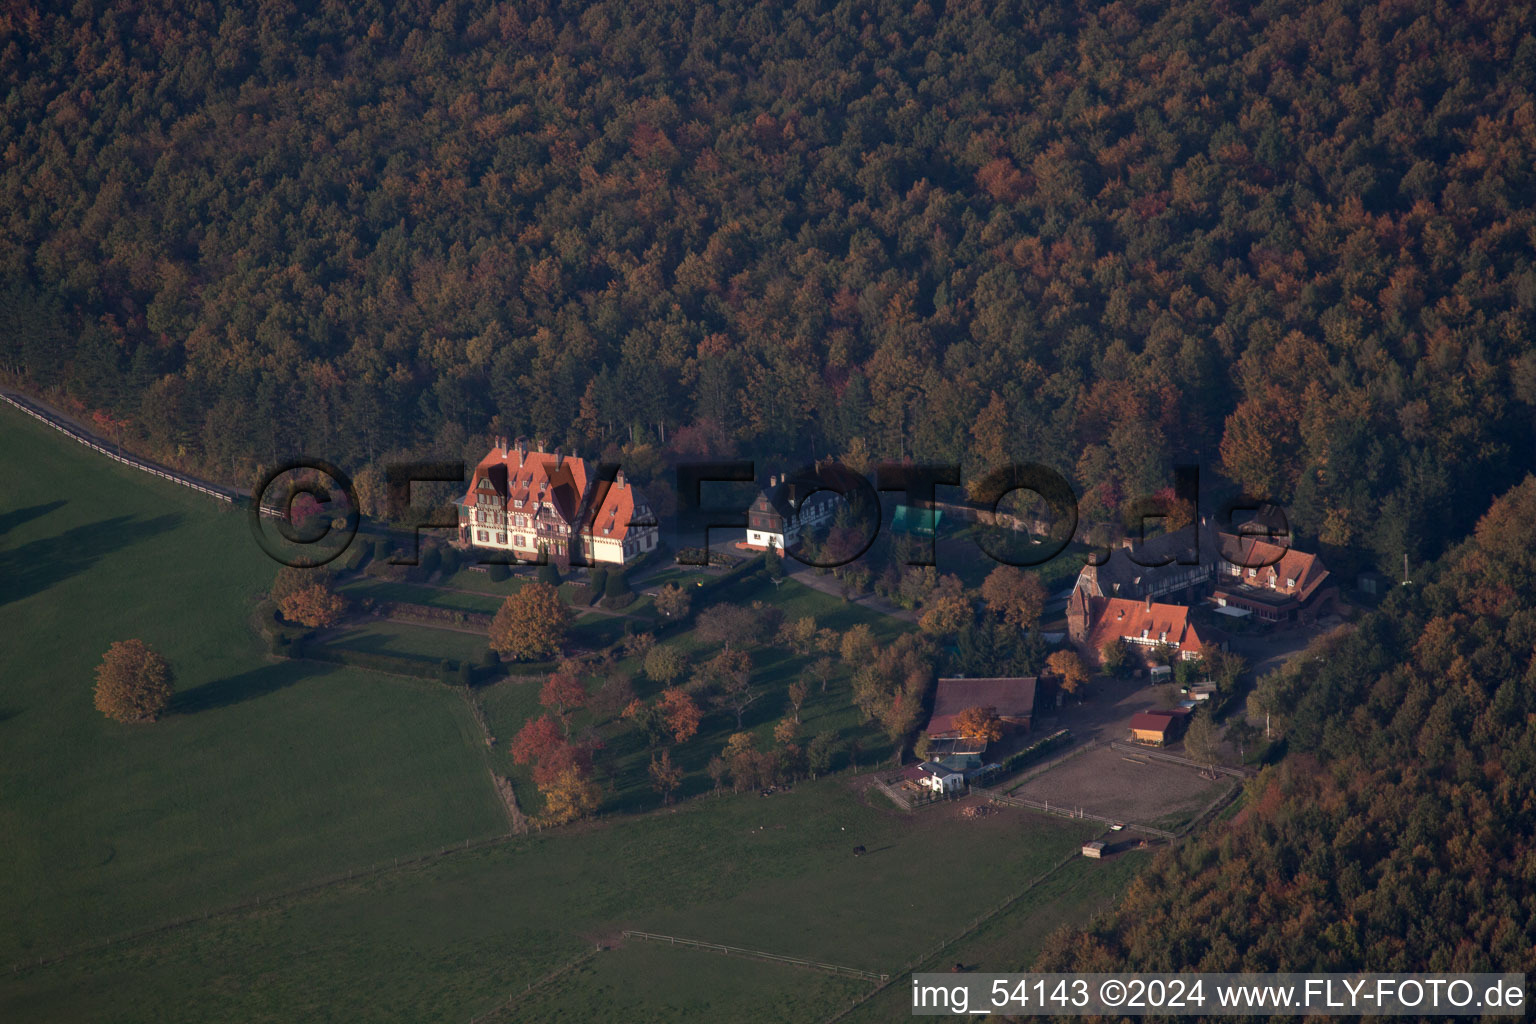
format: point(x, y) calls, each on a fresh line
point(134, 855)
point(265, 775)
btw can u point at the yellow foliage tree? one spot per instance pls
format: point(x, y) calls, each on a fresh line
point(568, 796)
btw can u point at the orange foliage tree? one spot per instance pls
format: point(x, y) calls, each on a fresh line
point(979, 724)
point(1070, 667)
point(133, 682)
point(531, 623)
point(315, 606)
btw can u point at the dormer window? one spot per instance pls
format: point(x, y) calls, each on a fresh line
point(1163, 636)
point(1252, 573)
point(1290, 581)
point(1144, 634)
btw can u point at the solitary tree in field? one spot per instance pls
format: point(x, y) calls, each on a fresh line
point(531, 623)
point(979, 724)
point(1070, 667)
point(133, 682)
point(665, 776)
point(673, 601)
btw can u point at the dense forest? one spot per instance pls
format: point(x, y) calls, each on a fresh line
point(1400, 835)
point(1287, 241)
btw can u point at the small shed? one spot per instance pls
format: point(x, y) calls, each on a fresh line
point(1094, 850)
point(1160, 673)
point(1154, 727)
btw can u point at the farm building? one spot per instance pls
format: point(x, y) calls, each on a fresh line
point(1012, 698)
point(939, 778)
point(1154, 727)
point(1095, 850)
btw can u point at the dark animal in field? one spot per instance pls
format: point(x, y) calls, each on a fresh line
point(858, 851)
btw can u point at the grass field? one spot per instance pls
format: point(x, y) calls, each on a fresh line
point(268, 776)
point(626, 758)
point(265, 775)
point(456, 937)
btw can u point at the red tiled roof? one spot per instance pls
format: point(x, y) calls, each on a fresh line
point(1121, 618)
point(1278, 561)
point(561, 481)
point(1007, 696)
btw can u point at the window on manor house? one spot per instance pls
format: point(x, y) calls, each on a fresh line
point(501, 538)
point(482, 535)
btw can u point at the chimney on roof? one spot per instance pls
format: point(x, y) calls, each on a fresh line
point(1149, 602)
point(773, 480)
point(522, 451)
point(559, 458)
point(618, 480)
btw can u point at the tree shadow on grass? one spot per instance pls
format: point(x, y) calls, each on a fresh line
point(258, 682)
point(10, 520)
point(38, 565)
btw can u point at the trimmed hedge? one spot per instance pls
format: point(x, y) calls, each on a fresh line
point(1035, 751)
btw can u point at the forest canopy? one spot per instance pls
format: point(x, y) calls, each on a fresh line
point(1290, 241)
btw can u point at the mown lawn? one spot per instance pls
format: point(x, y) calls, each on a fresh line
point(265, 775)
point(454, 938)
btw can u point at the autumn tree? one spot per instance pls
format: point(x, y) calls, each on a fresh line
point(647, 717)
point(562, 693)
point(798, 691)
point(531, 623)
point(1014, 594)
point(1069, 667)
point(799, 635)
point(680, 713)
point(732, 626)
point(315, 606)
point(857, 645)
point(536, 740)
point(568, 796)
point(665, 776)
point(740, 757)
point(979, 724)
point(717, 770)
point(612, 697)
point(785, 731)
point(822, 670)
point(133, 682)
point(945, 615)
point(673, 601)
